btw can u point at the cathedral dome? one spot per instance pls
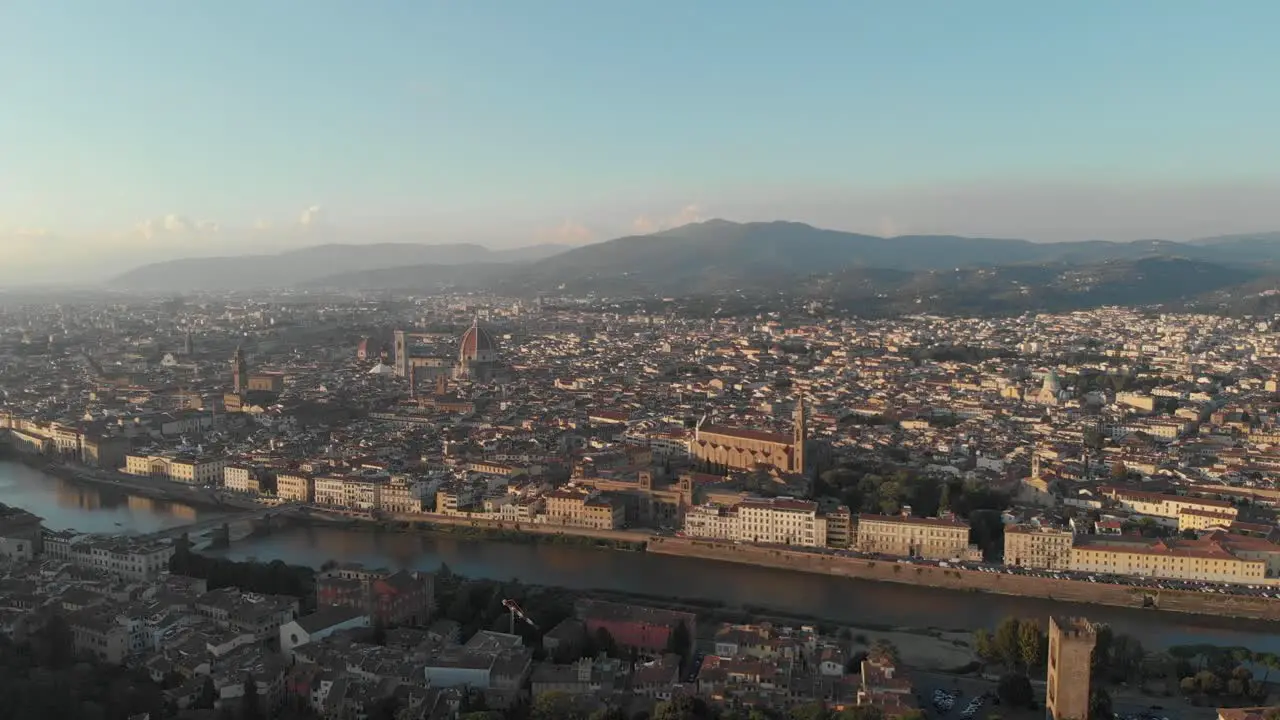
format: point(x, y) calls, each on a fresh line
point(477, 345)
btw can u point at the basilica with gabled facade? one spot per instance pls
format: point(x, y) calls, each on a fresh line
point(743, 449)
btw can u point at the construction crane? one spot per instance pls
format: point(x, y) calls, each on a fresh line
point(517, 612)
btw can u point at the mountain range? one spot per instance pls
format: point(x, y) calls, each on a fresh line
point(309, 264)
point(719, 256)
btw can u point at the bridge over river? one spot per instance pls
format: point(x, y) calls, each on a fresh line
point(234, 519)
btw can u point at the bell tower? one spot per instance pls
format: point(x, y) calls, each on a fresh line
point(799, 433)
point(239, 371)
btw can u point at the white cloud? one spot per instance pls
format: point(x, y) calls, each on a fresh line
point(170, 227)
point(645, 224)
point(568, 232)
point(312, 216)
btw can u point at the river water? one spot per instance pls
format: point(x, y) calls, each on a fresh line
point(840, 599)
point(67, 505)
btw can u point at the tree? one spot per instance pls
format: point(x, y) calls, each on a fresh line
point(1008, 641)
point(1015, 690)
point(208, 695)
point(1119, 471)
point(608, 713)
point(1031, 645)
point(679, 641)
point(883, 651)
point(985, 645)
point(810, 711)
point(605, 643)
point(1208, 682)
point(554, 705)
point(387, 707)
point(1126, 653)
point(250, 707)
point(684, 707)
point(1101, 659)
point(1100, 705)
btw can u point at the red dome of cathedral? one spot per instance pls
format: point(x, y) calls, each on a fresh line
point(477, 345)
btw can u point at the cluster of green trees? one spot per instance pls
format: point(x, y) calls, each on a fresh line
point(273, 578)
point(1224, 672)
point(1021, 646)
point(41, 678)
point(1018, 645)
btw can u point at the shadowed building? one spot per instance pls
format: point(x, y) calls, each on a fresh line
point(1071, 642)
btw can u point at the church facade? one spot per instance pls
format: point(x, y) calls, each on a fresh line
point(743, 449)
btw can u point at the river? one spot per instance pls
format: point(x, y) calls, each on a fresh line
point(840, 599)
point(67, 505)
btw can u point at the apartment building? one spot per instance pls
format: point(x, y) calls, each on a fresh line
point(1037, 548)
point(1205, 560)
point(122, 557)
point(295, 487)
point(457, 497)
point(1167, 509)
point(249, 613)
point(243, 479)
point(398, 495)
point(1191, 519)
point(712, 521)
point(579, 507)
point(389, 598)
point(781, 521)
point(905, 536)
point(328, 490)
point(97, 633)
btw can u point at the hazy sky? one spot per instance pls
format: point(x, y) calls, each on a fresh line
point(176, 128)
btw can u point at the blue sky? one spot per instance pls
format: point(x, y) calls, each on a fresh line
point(516, 122)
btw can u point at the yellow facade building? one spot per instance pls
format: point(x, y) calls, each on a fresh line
point(1205, 560)
point(578, 507)
point(1166, 509)
point(1038, 548)
point(904, 536)
point(295, 487)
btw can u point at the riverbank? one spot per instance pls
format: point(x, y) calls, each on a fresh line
point(1073, 591)
point(954, 579)
point(146, 487)
point(485, 529)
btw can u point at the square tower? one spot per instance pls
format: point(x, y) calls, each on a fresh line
point(1071, 642)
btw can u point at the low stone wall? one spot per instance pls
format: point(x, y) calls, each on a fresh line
point(973, 581)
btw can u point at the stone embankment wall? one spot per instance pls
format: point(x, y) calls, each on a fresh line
point(971, 580)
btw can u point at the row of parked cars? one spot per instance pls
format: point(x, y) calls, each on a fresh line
point(945, 700)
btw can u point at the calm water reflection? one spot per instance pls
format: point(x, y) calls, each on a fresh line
point(93, 509)
point(88, 508)
point(841, 599)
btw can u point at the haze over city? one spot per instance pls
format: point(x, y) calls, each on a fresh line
point(155, 131)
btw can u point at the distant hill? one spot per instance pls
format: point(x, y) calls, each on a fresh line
point(307, 265)
point(1241, 239)
point(1021, 288)
point(718, 255)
